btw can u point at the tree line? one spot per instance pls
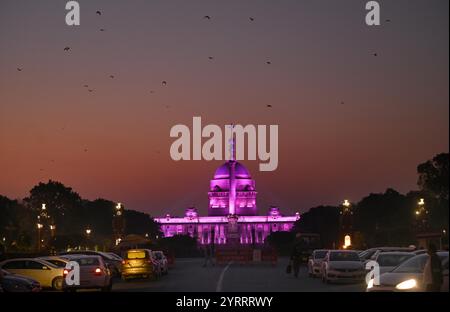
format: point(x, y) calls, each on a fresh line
point(389, 218)
point(379, 219)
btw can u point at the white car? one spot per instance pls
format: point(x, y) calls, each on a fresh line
point(408, 276)
point(162, 260)
point(315, 262)
point(387, 261)
point(342, 265)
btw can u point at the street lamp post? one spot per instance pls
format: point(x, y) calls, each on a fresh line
point(421, 214)
point(118, 223)
point(88, 235)
point(39, 227)
point(345, 224)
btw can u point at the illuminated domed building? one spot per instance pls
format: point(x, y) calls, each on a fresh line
point(232, 212)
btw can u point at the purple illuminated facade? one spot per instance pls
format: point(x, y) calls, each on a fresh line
point(232, 212)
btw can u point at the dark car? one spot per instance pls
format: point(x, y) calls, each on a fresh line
point(18, 283)
point(113, 264)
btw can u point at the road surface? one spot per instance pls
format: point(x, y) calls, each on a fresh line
point(190, 276)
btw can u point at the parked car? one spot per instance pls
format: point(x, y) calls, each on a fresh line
point(114, 265)
point(315, 262)
point(140, 263)
point(18, 283)
point(94, 273)
point(387, 261)
point(408, 276)
point(47, 274)
point(342, 265)
point(162, 261)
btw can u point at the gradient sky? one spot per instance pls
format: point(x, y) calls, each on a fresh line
point(395, 114)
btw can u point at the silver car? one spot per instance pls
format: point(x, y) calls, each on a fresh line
point(315, 262)
point(408, 276)
point(94, 273)
point(342, 265)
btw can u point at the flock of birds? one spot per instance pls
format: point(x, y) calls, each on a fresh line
point(164, 82)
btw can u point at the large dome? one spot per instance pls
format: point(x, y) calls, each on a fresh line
point(223, 172)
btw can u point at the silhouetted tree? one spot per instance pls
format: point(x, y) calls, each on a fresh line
point(63, 205)
point(434, 183)
point(281, 241)
point(141, 223)
point(16, 225)
point(180, 246)
point(323, 220)
point(99, 215)
point(385, 219)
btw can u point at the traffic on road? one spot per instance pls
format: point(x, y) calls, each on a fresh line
point(378, 269)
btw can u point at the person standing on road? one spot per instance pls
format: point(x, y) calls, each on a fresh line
point(432, 273)
point(208, 250)
point(296, 258)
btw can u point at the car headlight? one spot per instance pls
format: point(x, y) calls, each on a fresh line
point(411, 283)
point(370, 284)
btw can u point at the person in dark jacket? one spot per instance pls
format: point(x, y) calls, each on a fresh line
point(432, 273)
point(296, 258)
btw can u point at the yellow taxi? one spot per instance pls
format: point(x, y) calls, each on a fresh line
point(139, 263)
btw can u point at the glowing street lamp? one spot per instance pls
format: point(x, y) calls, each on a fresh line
point(346, 203)
point(88, 231)
point(347, 241)
point(421, 202)
point(40, 226)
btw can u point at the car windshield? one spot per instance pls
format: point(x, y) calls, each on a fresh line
point(136, 254)
point(415, 264)
point(344, 256)
point(320, 254)
point(392, 260)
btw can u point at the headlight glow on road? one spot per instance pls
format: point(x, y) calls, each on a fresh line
point(411, 283)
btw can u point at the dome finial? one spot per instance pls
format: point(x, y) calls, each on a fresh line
point(232, 142)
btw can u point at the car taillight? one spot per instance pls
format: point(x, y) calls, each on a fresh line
point(65, 272)
point(124, 262)
point(98, 271)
